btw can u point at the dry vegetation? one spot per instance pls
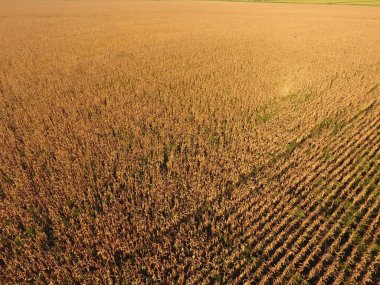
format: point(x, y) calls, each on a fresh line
point(174, 142)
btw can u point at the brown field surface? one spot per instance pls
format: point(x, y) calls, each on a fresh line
point(189, 143)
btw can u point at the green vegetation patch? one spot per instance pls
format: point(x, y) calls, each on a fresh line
point(338, 2)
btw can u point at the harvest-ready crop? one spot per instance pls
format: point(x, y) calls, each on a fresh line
point(189, 142)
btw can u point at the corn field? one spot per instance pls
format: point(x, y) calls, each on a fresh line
point(189, 142)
